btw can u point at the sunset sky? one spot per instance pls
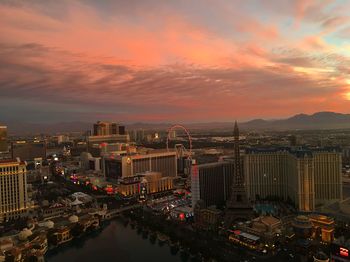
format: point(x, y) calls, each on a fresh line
point(172, 60)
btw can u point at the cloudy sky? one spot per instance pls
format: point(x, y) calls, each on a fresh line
point(178, 61)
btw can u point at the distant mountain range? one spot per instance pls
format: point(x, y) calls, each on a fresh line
point(320, 120)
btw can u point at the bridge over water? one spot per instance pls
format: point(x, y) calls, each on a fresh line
point(115, 212)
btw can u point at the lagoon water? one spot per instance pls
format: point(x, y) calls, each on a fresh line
point(115, 242)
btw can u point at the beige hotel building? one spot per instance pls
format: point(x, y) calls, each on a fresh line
point(128, 165)
point(14, 201)
point(309, 178)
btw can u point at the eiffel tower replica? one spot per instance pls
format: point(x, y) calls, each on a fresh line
point(237, 206)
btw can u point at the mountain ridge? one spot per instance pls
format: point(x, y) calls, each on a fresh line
point(318, 120)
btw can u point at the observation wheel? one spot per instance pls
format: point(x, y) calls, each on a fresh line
point(174, 127)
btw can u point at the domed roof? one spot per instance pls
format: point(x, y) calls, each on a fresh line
point(49, 224)
point(302, 222)
point(24, 234)
point(302, 218)
point(73, 219)
point(85, 155)
point(76, 202)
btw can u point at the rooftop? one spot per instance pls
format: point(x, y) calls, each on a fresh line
point(10, 161)
point(298, 151)
point(268, 220)
point(246, 235)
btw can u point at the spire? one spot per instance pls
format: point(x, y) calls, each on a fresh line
point(236, 130)
point(238, 179)
point(237, 204)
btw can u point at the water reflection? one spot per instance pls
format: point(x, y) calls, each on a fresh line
point(118, 241)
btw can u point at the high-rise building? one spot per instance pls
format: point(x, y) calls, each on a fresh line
point(28, 150)
point(3, 139)
point(212, 183)
point(138, 135)
point(108, 128)
point(346, 155)
point(267, 172)
point(184, 164)
point(120, 166)
point(62, 139)
point(172, 134)
point(14, 200)
point(306, 177)
point(107, 132)
point(222, 183)
point(145, 183)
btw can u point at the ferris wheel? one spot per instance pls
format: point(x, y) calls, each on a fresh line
point(179, 147)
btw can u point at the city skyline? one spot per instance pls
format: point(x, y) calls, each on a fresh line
point(162, 61)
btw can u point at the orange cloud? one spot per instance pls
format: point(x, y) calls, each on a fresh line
point(156, 68)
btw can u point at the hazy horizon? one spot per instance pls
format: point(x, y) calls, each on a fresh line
point(2, 122)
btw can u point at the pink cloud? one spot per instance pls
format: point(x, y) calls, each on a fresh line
point(167, 67)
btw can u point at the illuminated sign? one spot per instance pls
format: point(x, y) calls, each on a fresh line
point(237, 232)
point(109, 189)
point(343, 252)
point(182, 216)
